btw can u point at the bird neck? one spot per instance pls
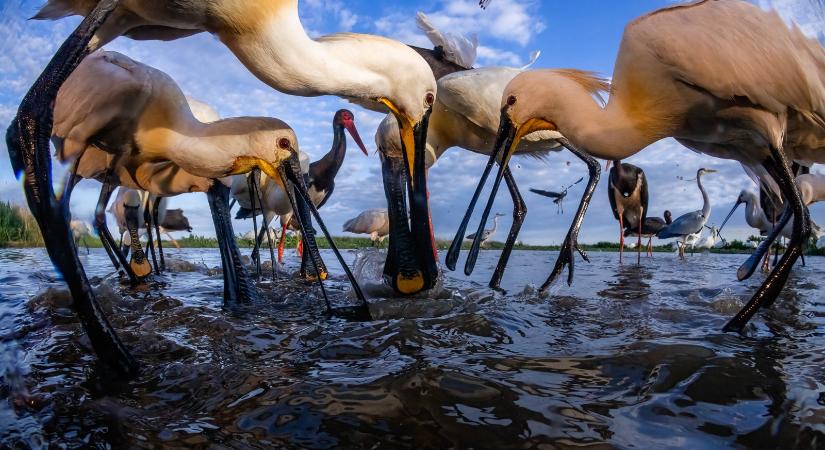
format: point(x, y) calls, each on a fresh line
point(605, 133)
point(278, 51)
point(705, 199)
point(495, 224)
point(753, 212)
point(210, 150)
point(322, 172)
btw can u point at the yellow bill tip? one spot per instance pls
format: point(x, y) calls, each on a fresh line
point(410, 285)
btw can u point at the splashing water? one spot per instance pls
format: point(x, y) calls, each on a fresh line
point(629, 356)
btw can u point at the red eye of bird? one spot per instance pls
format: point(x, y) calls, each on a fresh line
point(430, 98)
point(511, 100)
point(346, 116)
point(283, 143)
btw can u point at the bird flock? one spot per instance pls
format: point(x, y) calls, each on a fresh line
point(723, 77)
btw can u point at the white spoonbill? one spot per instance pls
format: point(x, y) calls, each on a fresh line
point(268, 38)
point(756, 96)
point(375, 222)
point(466, 114)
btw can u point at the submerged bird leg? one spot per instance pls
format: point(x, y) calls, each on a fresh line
point(150, 242)
point(155, 213)
point(639, 242)
point(252, 185)
point(621, 236)
point(138, 261)
point(566, 255)
point(238, 287)
point(27, 141)
point(112, 249)
point(650, 246)
point(519, 212)
point(772, 286)
point(505, 131)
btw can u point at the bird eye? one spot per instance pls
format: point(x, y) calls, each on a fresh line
point(283, 143)
point(511, 100)
point(429, 99)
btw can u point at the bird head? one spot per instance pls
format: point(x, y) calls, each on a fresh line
point(704, 171)
point(344, 119)
point(668, 217)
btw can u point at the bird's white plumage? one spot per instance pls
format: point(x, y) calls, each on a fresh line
point(458, 49)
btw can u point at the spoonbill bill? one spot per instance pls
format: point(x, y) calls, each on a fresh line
point(321, 174)
point(466, 114)
point(267, 36)
point(374, 222)
point(756, 96)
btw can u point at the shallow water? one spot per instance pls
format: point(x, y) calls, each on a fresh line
point(629, 356)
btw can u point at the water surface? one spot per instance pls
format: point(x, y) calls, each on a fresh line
point(630, 356)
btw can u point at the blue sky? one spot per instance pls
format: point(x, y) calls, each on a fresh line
point(582, 34)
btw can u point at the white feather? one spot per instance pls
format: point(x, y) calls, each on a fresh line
point(461, 50)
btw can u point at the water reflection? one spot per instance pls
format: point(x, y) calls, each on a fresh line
point(630, 355)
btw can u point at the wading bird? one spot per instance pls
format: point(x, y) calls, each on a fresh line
point(374, 222)
point(268, 38)
point(321, 174)
point(757, 96)
point(80, 230)
point(650, 227)
point(27, 140)
point(558, 197)
point(487, 234)
point(692, 222)
point(466, 114)
point(628, 195)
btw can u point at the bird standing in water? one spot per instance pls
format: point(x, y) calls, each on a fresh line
point(692, 222)
point(628, 195)
point(487, 234)
point(757, 96)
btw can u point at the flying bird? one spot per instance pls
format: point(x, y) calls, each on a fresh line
point(558, 197)
point(674, 77)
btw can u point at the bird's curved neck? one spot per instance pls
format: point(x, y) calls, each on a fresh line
point(605, 133)
point(210, 149)
point(753, 212)
point(323, 171)
point(495, 224)
point(278, 51)
point(705, 198)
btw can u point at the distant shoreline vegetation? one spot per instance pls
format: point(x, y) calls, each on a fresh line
point(18, 229)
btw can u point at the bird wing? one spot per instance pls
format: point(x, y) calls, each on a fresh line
point(476, 94)
point(734, 50)
point(86, 104)
point(470, 236)
point(689, 223)
point(203, 111)
point(457, 48)
point(550, 194)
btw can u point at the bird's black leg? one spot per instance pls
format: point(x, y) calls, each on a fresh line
point(112, 249)
point(566, 255)
point(150, 242)
point(27, 140)
point(767, 293)
point(252, 185)
point(519, 212)
point(139, 263)
point(238, 286)
point(155, 214)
